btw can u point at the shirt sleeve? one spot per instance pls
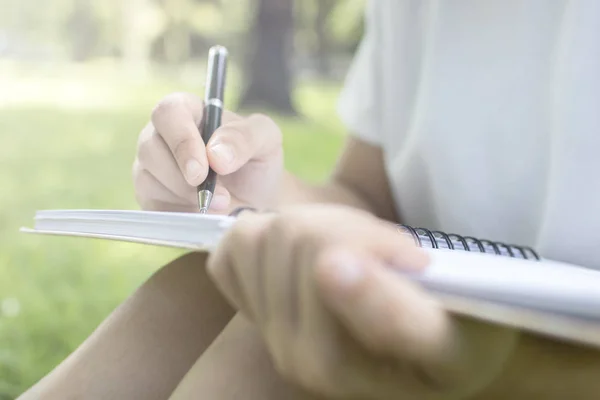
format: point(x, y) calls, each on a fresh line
point(356, 105)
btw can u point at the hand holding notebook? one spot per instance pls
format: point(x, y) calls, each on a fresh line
point(499, 283)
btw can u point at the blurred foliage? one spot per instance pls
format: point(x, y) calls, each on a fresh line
point(164, 30)
point(276, 41)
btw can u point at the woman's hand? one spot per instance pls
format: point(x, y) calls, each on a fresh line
point(323, 285)
point(172, 159)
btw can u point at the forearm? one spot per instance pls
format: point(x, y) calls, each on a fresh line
point(376, 200)
point(543, 368)
point(358, 180)
point(295, 191)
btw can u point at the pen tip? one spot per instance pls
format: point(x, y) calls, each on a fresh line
point(219, 50)
point(204, 198)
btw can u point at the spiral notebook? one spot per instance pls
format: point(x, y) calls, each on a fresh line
point(487, 280)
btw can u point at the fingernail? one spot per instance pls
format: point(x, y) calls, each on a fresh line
point(219, 202)
point(192, 169)
point(223, 152)
point(347, 270)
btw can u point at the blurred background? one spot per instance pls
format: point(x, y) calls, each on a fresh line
point(78, 80)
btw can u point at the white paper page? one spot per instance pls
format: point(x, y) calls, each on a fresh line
point(153, 242)
point(546, 285)
point(164, 228)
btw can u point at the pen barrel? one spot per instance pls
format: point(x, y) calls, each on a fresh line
point(211, 121)
point(217, 70)
point(210, 182)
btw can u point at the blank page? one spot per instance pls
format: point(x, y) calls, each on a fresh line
point(192, 230)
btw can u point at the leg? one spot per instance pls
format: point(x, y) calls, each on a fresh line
point(236, 366)
point(145, 347)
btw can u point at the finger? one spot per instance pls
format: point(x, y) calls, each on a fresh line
point(327, 354)
point(221, 271)
point(220, 267)
point(362, 230)
point(151, 194)
point(282, 259)
point(384, 311)
point(238, 141)
point(221, 200)
point(239, 254)
point(155, 156)
point(177, 118)
point(250, 263)
point(385, 241)
point(393, 317)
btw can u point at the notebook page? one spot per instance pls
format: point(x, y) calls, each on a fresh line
point(132, 216)
point(544, 285)
point(188, 229)
point(153, 242)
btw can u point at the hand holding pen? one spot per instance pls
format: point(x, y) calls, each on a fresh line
point(175, 151)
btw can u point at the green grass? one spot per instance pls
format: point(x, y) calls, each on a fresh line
point(68, 141)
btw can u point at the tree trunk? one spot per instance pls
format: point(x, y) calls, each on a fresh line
point(268, 70)
point(177, 36)
point(83, 31)
point(135, 42)
point(323, 55)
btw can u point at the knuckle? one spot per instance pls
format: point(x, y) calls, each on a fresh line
point(182, 147)
point(270, 126)
point(278, 226)
point(145, 133)
point(234, 238)
point(139, 177)
point(233, 134)
point(167, 104)
point(145, 147)
point(245, 231)
point(140, 183)
point(291, 230)
point(262, 118)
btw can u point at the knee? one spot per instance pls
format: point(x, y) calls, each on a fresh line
point(185, 277)
point(191, 266)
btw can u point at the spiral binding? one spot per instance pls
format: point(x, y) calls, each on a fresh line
point(440, 240)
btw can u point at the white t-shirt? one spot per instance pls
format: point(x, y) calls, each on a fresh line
point(489, 115)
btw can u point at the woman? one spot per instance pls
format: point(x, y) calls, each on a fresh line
point(476, 117)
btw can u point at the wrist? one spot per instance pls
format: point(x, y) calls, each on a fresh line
point(294, 191)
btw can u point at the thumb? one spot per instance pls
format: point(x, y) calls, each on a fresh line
point(384, 311)
point(237, 142)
